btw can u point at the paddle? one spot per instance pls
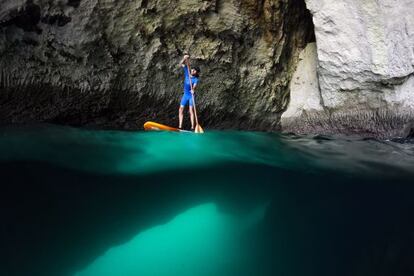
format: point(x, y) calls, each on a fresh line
point(198, 128)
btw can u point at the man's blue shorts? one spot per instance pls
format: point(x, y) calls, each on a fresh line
point(187, 99)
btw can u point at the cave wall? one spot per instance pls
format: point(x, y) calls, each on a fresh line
point(114, 64)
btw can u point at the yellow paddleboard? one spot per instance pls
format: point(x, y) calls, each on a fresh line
point(151, 126)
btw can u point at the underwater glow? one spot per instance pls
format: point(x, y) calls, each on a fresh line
point(200, 241)
point(116, 152)
point(144, 153)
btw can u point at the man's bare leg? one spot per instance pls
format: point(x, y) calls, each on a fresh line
point(180, 116)
point(192, 116)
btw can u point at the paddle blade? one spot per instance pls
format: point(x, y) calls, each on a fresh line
point(198, 129)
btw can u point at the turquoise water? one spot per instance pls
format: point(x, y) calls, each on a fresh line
point(91, 202)
point(201, 240)
point(138, 153)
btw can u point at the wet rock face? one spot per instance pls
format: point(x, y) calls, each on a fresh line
point(365, 68)
point(114, 64)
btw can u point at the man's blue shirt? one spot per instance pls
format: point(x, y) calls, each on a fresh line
point(194, 81)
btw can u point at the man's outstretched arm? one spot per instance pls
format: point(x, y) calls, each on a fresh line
point(185, 60)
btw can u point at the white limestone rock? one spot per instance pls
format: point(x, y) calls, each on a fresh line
point(365, 55)
point(362, 44)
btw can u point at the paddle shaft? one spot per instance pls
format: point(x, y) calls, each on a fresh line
point(192, 94)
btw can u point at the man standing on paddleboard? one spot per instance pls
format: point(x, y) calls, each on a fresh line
point(189, 87)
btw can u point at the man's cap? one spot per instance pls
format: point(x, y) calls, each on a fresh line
point(197, 69)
